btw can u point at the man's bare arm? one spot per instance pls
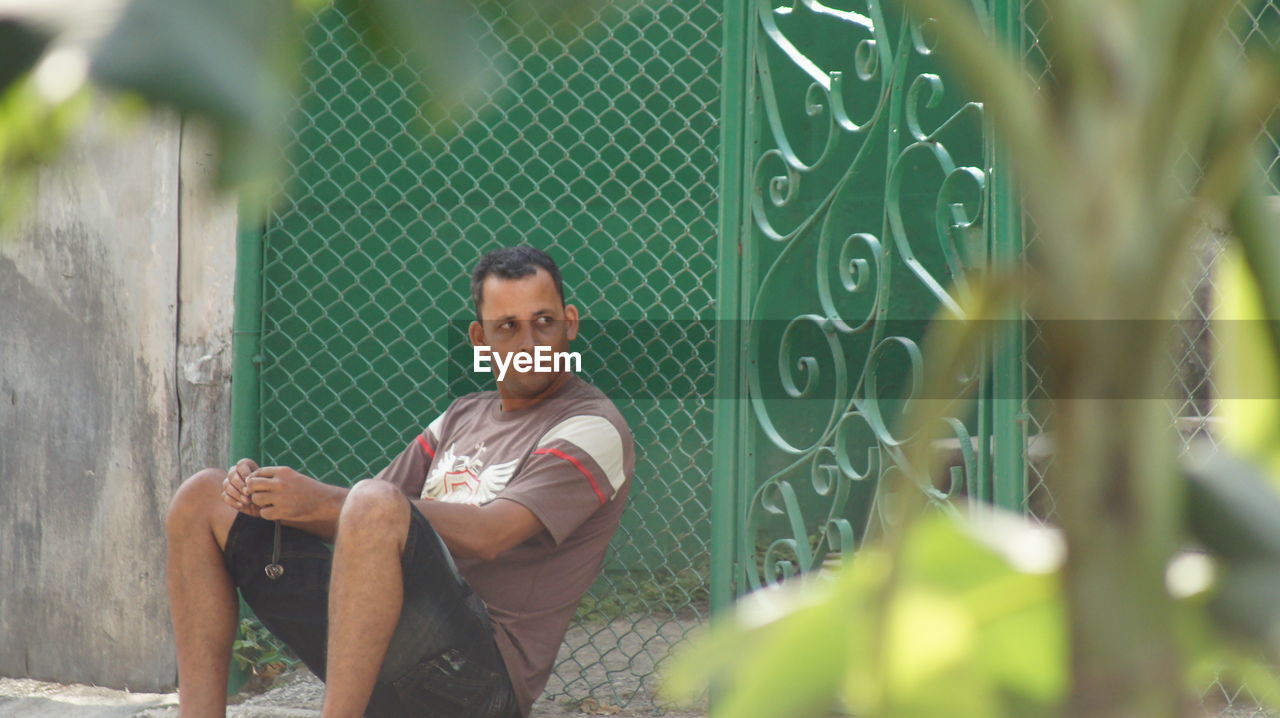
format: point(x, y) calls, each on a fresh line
point(481, 532)
point(279, 493)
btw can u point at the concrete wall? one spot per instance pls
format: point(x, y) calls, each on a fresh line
point(206, 280)
point(114, 355)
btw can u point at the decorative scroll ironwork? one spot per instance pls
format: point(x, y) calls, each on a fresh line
point(867, 194)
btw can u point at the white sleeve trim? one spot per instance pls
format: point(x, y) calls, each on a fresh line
point(598, 438)
point(434, 427)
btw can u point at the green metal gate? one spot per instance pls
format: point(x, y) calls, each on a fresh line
point(860, 185)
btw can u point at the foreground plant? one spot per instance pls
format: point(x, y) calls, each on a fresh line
point(235, 65)
point(1140, 143)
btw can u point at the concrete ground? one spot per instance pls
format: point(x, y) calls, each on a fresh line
point(296, 695)
point(607, 669)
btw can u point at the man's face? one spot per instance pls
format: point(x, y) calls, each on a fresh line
point(518, 315)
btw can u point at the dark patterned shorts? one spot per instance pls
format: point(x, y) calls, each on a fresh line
point(442, 661)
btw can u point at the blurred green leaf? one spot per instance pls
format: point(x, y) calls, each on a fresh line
point(449, 46)
point(964, 633)
point(236, 63)
point(979, 595)
point(1234, 512)
point(231, 61)
point(1244, 603)
point(1230, 507)
point(1215, 660)
point(32, 133)
point(1247, 349)
point(775, 638)
point(21, 44)
point(1026, 653)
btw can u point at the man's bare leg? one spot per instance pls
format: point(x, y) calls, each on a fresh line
point(366, 592)
point(202, 600)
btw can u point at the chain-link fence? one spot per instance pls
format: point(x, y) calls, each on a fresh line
point(1037, 411)
point(601, 150)
point(1254, 25)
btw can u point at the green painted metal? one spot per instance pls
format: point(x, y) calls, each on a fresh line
point(246, 358)
point(1009, 428)
point(866, 180)
point(246, 345)
point(725, 460)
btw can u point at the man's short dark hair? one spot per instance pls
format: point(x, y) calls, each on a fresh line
point(512, 263)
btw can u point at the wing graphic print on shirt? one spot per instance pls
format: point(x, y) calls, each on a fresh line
point(462, 479)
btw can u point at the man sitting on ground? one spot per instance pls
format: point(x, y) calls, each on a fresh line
point(454, 572)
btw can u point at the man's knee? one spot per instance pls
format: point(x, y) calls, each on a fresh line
point(374, 504)
point(194, 498)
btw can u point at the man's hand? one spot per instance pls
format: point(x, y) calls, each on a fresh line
point(233, 487)
point(282, 494)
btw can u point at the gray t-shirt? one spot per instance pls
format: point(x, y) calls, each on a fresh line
point(568, 459)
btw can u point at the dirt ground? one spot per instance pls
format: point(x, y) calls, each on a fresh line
point(606, 670)
point(296, 695)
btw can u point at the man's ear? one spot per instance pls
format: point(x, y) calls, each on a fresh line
point(571, 317)
point(476, 334)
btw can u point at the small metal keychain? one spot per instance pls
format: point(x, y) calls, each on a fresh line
point(274, 569)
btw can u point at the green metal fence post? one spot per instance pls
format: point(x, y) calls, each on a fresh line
point(246, 339)
point(1007, 390)
point(724, 469)
point(246, 343)
point(746, 265)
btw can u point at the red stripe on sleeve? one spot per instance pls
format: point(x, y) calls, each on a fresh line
point(422, 441)
point(594, 486)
